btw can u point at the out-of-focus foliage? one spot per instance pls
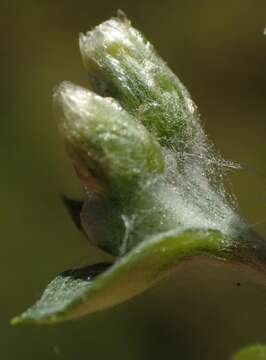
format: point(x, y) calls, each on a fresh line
point(218, 49)
point(253, 352)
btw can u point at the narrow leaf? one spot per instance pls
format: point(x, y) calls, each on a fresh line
point(75, 293)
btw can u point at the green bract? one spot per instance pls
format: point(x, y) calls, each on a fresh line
point(154, 193)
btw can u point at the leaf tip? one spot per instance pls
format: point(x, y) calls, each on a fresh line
point(21, 319)
point(17, 320)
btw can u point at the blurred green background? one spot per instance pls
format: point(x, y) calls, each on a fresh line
point(218, 50)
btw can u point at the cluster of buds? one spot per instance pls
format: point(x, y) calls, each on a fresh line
point(137, 144)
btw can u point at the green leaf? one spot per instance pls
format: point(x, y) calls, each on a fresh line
point(253, 352)
point(75, 293)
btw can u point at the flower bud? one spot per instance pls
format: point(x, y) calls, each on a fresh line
point(121, 63)
point(105, 143)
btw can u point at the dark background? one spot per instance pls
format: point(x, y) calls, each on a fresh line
point(218, 50)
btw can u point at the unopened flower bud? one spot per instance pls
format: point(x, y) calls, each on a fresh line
point(121, 63)
point(106, 144)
